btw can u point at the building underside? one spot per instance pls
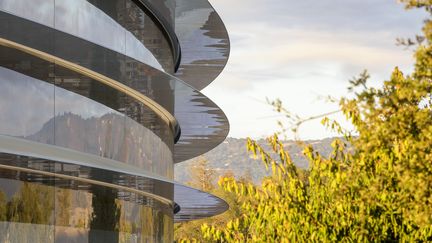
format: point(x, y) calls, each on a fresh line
point(98, 100)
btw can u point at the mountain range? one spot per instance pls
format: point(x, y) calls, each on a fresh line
point(232, 156)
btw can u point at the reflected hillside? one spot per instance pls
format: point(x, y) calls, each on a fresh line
point(107, 136)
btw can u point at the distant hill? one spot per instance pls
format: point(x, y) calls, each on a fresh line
point(232, 155)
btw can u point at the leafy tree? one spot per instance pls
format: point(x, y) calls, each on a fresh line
point(378, 190)
point(202, 175)
point(29, 214)
point(63, 206)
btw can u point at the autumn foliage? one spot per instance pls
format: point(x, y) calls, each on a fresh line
point(375, 186)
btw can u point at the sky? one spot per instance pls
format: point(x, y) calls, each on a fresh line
point(301, 51)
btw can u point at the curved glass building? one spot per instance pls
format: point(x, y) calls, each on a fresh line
point(98, 100)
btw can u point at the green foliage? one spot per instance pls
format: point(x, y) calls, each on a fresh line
point(29, 213)
point(379, 190)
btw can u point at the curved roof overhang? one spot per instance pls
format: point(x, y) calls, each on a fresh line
point(198, 36)
point(204, 42)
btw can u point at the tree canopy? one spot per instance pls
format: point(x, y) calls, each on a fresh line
point(380, 189)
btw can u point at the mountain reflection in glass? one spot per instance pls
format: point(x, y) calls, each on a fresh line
point(96, 126)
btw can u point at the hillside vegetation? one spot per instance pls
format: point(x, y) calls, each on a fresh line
point(232, 156)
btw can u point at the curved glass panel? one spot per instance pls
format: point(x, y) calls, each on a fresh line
point(142, 27)
point(41, 11)
point(26, 106)
point(37, 110)
point(195, 112)
point(166, 9)
point(91, 127)
point(143, 151)
point(43, 209)
point(194, 204)
point(84, 20)
point(84, 167)
point(27, 210)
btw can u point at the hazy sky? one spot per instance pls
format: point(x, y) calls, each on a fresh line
point(301, 50)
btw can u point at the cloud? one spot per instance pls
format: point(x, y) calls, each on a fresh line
point(284, 53)
point(298, 50)
point(323, 14)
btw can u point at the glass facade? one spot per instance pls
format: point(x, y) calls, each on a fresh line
point(94, 119)
point(45, 209)
point(79, 113)
point(135, 34)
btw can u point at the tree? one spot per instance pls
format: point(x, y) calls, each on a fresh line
point(30, 213)
point(202, 175)
point(379, 190)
